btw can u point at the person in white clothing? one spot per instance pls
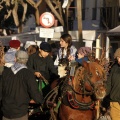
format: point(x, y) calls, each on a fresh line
point(10, 54)
point(67, 50)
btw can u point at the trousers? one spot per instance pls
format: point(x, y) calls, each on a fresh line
point(25, 117)
point(115, 110)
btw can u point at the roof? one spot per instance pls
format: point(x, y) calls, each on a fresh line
point(32, 36)
point(114, 32)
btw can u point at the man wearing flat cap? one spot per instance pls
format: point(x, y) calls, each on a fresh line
point(42, 65)
point(10, 54)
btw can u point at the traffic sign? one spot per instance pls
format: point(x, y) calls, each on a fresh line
point(47, 20)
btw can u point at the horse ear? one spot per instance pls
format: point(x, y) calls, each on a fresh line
point(97, 61)
point(85, 64)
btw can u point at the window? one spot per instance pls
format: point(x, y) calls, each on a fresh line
point(94, 13)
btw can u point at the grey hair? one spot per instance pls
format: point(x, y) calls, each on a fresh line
point(22, 61)
point(21, 57)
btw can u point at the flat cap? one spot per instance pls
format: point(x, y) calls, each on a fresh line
point(45, 47)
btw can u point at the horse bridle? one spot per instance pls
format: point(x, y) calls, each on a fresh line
point(71, 92)
point(86, 79)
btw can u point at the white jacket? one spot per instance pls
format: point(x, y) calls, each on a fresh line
point(73, 51)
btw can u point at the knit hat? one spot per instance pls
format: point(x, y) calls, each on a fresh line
point(45, 47)
point(117, 53)
point(84, 50)
point(14, 43)
point(21, 54)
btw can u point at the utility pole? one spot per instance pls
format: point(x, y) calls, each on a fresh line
point(79, 19)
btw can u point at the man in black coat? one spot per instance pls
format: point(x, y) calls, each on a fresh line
point(17, 88)
point(42, 65)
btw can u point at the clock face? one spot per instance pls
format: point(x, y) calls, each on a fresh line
point(47, 20)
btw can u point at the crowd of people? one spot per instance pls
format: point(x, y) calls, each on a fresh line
point(23, 71)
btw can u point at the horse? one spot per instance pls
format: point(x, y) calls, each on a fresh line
point(76, 96)
point(80, 92)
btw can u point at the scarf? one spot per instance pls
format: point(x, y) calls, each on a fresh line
point(82, 59)
point(17, 67)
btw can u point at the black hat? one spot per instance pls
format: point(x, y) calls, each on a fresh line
point(45, 47)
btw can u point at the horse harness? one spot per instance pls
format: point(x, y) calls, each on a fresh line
point(70, 92)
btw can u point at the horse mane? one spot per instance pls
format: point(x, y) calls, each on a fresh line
point(103, 61)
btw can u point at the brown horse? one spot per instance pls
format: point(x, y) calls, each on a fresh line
point(81, 91)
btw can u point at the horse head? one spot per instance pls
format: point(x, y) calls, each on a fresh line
point(89, 79)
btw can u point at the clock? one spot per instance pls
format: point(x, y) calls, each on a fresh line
point(47, 20)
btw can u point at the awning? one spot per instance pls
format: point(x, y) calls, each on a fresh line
point(114, 32)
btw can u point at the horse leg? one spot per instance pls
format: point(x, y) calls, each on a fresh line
point(9, 11)
point(1, 7)
point(25, 10)
point(14, 12)
point(15, 15)
point(35, 5)
point(49, 3)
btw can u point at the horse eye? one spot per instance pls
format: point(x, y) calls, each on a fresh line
point(90, 74)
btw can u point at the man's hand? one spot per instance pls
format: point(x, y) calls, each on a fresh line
point(37, 74)
point(32, 101)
